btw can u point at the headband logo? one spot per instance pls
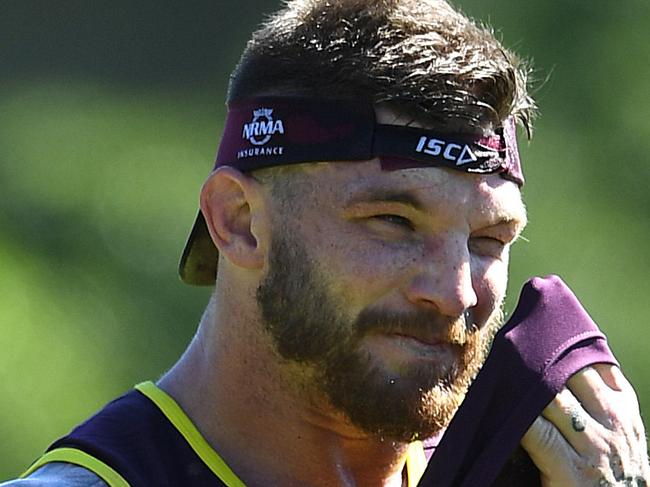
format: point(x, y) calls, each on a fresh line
point(450, 151)
point(260, 130)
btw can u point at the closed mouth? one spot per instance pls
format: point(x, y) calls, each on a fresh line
point(424, 340)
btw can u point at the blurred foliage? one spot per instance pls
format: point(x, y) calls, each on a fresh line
point(110, 114)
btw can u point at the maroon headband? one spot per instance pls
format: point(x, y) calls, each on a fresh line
point(273, 131)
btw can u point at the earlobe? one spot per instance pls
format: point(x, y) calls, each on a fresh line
point(231, 203)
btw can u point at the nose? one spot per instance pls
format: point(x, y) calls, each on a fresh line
point(443, 280)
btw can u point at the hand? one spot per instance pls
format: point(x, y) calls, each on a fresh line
point(591, 434)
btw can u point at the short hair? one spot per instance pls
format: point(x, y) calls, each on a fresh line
point(422, 58)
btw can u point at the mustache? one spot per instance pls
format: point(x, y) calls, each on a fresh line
point(426, 325)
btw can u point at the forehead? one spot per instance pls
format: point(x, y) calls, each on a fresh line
point(438, 191)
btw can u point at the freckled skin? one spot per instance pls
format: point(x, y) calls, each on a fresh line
point(400, 269)
point(422, 252)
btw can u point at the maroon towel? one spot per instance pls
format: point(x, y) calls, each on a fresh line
point(548, 338)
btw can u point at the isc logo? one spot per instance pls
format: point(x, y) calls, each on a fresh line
point(450, 151)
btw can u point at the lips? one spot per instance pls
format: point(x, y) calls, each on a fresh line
point(427, 328)
point(431, 341)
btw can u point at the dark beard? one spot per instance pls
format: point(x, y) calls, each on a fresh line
point(307, 327)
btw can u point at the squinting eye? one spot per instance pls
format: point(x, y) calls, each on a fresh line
point(395, 220)
point(487, 246)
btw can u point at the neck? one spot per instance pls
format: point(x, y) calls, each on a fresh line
point(255, 409)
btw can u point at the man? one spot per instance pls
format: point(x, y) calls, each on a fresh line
point(356, 229)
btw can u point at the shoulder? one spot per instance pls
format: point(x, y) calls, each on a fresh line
point(58, 475)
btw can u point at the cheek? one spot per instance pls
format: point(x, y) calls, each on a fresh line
point(490, 280)
point(364, 271)
point(372, 262)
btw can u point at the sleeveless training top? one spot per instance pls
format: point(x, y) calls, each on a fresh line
point(144, 438)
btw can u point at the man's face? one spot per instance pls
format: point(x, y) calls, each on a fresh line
point(388, 287)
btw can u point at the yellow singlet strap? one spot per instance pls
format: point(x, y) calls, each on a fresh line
point(185, 427)
point(416, 463)
point(82, 459)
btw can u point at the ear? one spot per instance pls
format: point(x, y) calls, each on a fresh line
point(232, 204)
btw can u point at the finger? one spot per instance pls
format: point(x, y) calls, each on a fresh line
point(609, 398)
point(616, 408)
point(551, 453)
point(575, 424)
point(596, 397)
point(612, 376)
point(632, 425)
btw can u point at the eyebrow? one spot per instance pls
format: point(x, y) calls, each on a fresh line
point(382, 195)
point(378, 195)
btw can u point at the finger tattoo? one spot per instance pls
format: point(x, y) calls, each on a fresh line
point(577, 421)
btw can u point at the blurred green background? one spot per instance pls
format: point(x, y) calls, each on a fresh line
point(110, 115)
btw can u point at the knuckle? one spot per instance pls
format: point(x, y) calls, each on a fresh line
point(560, 401)
point(599, 458)
point(595, 468)
point(614, 418)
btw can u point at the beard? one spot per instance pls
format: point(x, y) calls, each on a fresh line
point(308, 326)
